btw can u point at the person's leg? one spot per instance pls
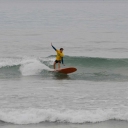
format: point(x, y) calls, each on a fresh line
point(58, 65)
point(54, 66)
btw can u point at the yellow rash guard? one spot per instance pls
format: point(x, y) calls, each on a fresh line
point(59, 55)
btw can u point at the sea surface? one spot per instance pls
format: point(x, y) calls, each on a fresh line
point(94, 35)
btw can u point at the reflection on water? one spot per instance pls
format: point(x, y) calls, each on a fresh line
point(54, 75)
point(61, 76)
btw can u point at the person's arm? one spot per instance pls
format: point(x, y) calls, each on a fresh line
point(53, 47)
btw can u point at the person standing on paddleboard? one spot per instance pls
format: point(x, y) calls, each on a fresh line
point(59, 57)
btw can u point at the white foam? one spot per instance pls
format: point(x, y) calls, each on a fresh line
point(50, 60)
point(33, 115)
point(32, 67)
point(28, 65)
point(10, 62)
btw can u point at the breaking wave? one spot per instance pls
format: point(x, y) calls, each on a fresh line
point(98, 69)
point(33, 115)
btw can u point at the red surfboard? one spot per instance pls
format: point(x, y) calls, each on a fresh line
point(66, 70)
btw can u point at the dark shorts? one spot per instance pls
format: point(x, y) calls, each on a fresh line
point(57, 61)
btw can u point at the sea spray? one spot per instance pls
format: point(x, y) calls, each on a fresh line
point(32, 67)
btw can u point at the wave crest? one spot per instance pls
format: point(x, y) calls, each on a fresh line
point(26, 66)
point(33, 115)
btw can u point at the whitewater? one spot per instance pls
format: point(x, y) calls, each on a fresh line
point(94, 37)
point(30, 93)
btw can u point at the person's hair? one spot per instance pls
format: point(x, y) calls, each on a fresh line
point(61, 49)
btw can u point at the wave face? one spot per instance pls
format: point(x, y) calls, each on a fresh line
point(94, 69)
point(98, 69)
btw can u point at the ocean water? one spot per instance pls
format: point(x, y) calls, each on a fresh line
point(94, 37)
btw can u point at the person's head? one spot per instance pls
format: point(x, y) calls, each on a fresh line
point(61, 49)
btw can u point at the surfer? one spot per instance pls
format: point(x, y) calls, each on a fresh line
point(59, 57)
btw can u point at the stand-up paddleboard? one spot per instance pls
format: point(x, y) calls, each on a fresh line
point(66, 70)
